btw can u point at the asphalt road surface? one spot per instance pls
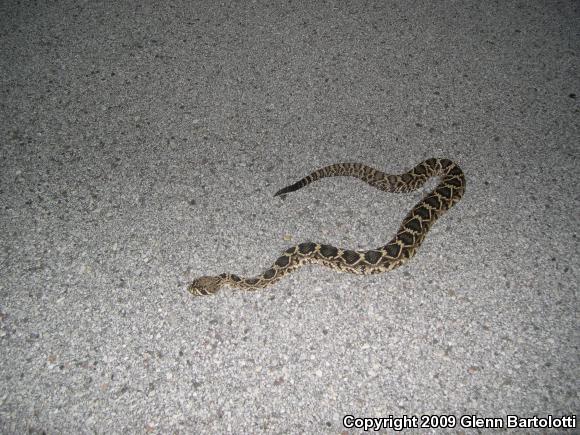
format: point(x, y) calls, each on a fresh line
point(142, 143)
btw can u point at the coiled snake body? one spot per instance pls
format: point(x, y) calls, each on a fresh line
point(398, 251)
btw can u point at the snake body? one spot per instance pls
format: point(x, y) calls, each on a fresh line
point(396, 252)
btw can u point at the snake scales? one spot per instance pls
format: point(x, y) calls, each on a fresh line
point(398, 251)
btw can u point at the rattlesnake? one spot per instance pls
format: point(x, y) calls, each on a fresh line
point(395, 253)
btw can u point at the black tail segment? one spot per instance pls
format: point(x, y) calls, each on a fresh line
point(292, 188)
point(337, 169)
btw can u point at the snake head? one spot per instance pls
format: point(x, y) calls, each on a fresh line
point(205, 285)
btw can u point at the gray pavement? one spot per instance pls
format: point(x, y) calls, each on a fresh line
point(141, 144)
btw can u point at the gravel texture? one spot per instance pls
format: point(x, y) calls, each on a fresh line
point(141, 144)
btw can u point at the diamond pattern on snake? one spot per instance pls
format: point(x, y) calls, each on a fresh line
point(400, 249)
